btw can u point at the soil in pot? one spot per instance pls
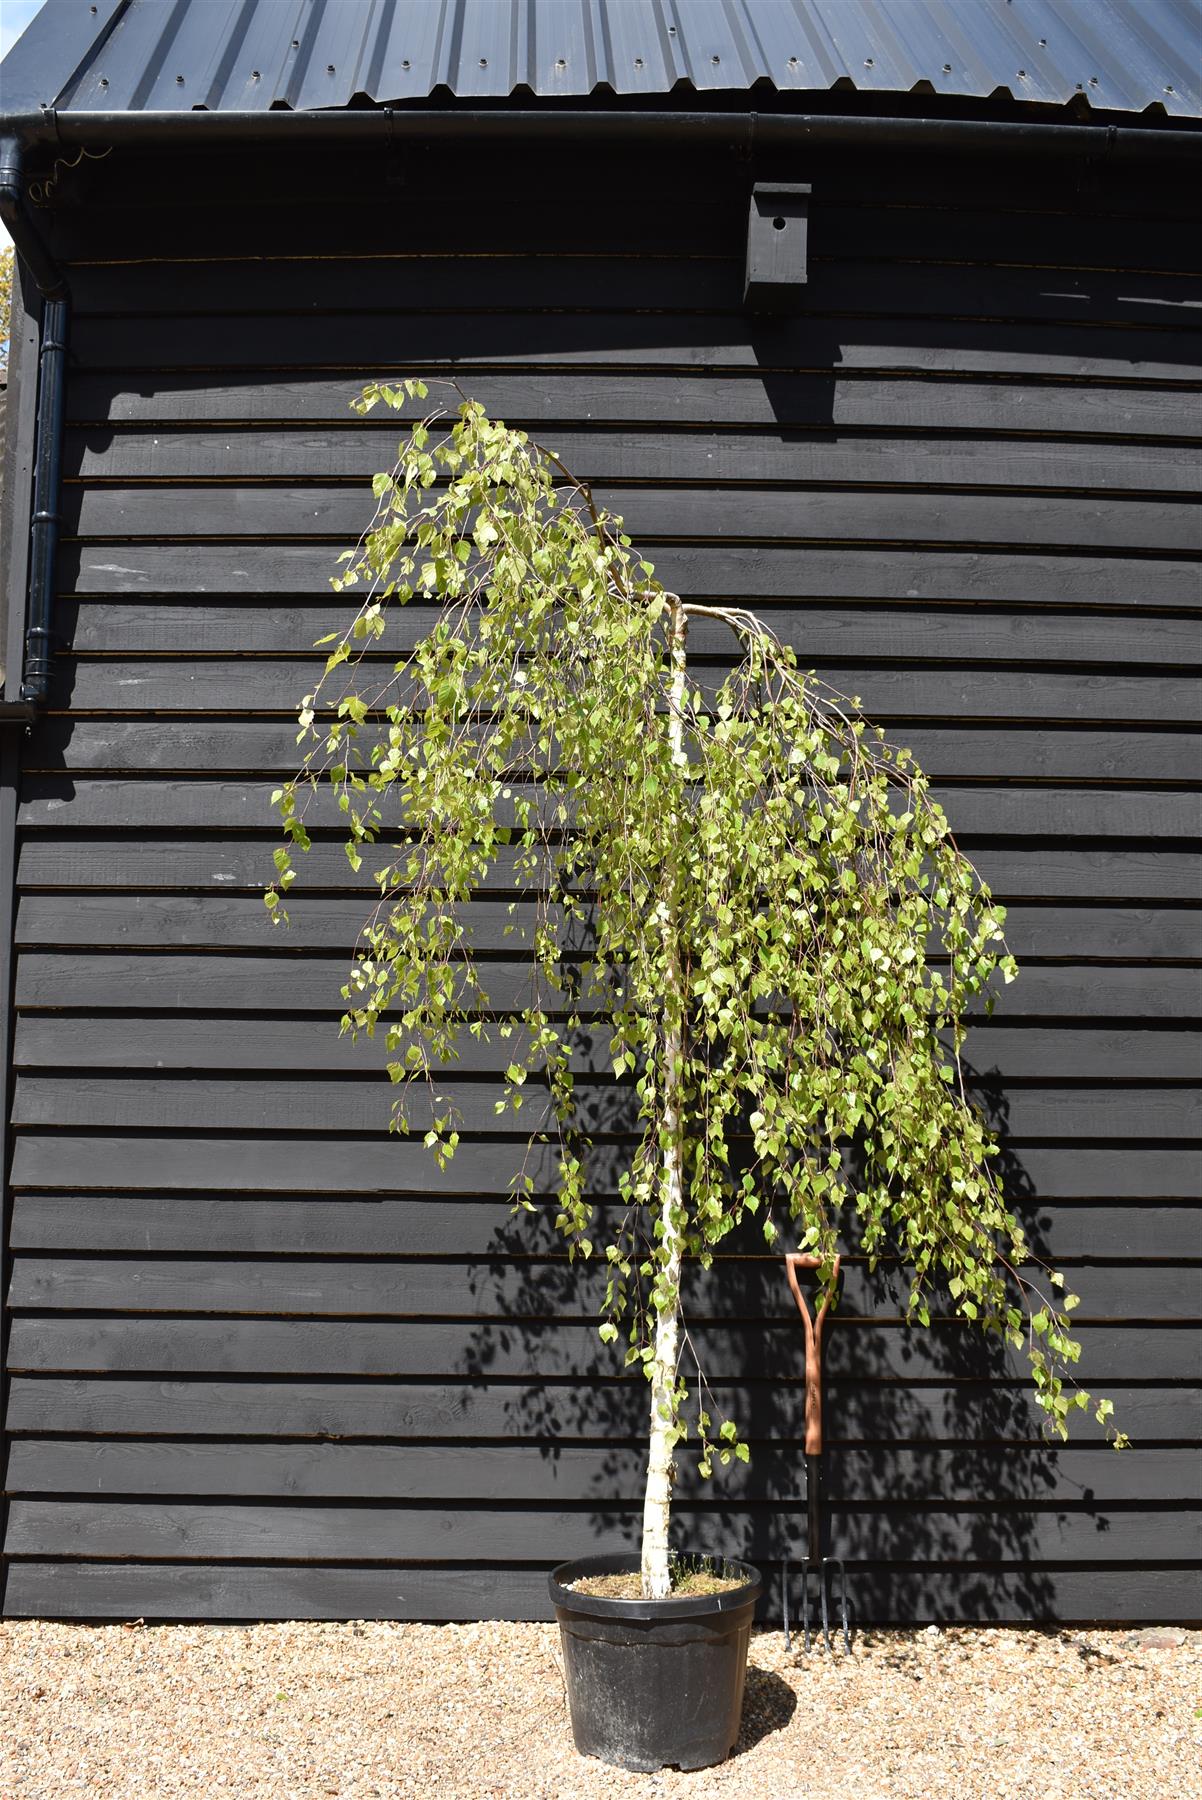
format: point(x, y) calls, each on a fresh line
point(689, 1583)
point(654, 1683)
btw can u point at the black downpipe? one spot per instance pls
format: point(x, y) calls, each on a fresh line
point(48, 453)
point(47, 489)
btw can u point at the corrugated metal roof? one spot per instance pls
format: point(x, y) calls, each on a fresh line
point(247, 55)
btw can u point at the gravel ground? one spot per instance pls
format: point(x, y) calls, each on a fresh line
point(477, 1712)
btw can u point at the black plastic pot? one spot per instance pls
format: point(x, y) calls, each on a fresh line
point(653, 1683)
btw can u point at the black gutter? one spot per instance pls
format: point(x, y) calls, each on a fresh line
point(745, 131)
point(48, 452)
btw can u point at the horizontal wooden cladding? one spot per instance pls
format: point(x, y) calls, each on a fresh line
point(762, 573)
point(513, 1290)
point(433, 341)
point(902, 402)
point(976, 812)
point(664, 204)
point(75, 1041)
point(171, 1348)
point(306, 1103)
point(166, 1164)
point(958, 753)
point(989, 1595)
point(190, 1279)
point(892, 632)
point(542, 1474)
point(1155, 878)
point(214, 684)
point(254, 984)
point(219, 921)
point(859, 1409)
point(234, 1223)
point(754, 514)
point(813, 459)
point(224, 1529)
point(544, 283)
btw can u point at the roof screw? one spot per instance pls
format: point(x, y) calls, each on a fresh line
point(1022, 74)
point(715, 60)
point(296, 43)
point(92, 10)
point(671, 31)
point(1170, 89)
point(638, 62)
point(868, 62)
point(179, 81)
point(405, 64)
point(255, 76)
point(561, 62)
point(484, 62)
point(329, 68)
point(104, 81)
point(947, 68)
point(1043, 43)
point(792, 62)
point(1093, 81)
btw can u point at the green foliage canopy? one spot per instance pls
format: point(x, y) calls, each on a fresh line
point(6, 304)
point(770, 886)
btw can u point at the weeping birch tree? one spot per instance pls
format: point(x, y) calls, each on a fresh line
point(783, 937)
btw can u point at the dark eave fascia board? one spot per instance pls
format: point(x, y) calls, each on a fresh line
point(746, 131)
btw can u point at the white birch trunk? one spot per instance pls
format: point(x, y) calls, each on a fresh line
point(656, 1579)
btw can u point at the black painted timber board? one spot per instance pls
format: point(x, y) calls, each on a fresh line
point(221, 921)
point(514, 1289)
point(198, 1163)
point(753, 515)
point(306, 1103)
point(203, 1531)
point(763, 572)
point(976, 1594)
point(187, 1347)
point(621, 456)
point(156, 288)
point(234, 1223)
point(248, 983)
point(975, 812)
point(271, 210)
point(861, 1410)
point(52, 1041)
point(909, 632)
point(642, 340)
point(191, 685)
point(878, 401)
point(540, 1474)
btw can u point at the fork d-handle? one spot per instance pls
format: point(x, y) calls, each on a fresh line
point(813, 1326)
point(815, 1511)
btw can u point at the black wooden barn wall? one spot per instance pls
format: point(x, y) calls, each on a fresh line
point(263, 1359)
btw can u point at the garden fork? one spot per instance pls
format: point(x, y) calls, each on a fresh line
point(814, 1561)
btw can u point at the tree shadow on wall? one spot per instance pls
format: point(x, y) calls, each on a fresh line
point(945, 1500)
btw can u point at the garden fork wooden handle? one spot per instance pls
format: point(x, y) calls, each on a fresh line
point(813, 1324)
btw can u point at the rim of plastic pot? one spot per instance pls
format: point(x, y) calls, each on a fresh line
point(683, 1606)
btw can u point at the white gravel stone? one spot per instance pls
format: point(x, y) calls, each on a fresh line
point(374, 1711)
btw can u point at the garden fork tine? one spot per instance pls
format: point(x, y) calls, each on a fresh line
point(814, 1559)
